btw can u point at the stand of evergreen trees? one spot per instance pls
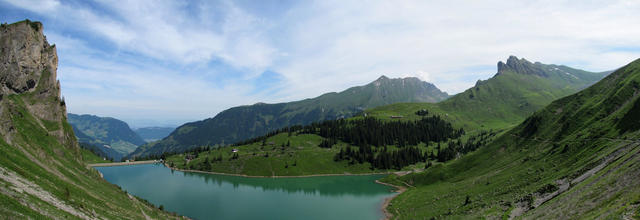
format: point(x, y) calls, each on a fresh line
point(369, 138)
point(372, 131)
point(383, 159)
point(457, 148)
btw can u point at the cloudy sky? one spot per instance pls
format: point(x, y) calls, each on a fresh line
point(169, 62)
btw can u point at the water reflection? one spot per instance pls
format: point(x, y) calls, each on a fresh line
point(210, 196)
point(320, 185)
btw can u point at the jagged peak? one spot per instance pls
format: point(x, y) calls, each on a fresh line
point(382, 78)
point(521, 66)
point(37, 56)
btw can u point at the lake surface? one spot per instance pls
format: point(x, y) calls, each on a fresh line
point(210, 196)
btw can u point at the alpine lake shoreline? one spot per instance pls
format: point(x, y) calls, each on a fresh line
point(397, 189)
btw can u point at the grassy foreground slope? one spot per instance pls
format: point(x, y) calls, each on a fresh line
point(577, 158)
point(42, 171)
point(515, 92)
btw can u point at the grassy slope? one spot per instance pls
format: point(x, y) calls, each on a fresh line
point(39, 158)
point(561, 142)
point(89, 157)
point(309, 159)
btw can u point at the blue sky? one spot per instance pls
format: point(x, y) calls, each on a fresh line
point(169, 62)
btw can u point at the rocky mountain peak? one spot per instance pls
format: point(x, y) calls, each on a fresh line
point(28, 66)
point(521, 66)
point(27, 59)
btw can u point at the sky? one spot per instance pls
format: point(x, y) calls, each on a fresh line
point(164, 63)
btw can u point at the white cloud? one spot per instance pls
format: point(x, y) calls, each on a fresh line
point(40, 6)
point(317, 47)
point(355, 44)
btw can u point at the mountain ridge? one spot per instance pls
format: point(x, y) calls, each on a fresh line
point(504, 99)
point(576, 158)
point(260, 118)
point(105, 132)
point(154, 133)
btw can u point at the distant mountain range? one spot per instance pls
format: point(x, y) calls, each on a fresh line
point(518, 89)
point(150, 134)
point(106, 133)
point(243, 122)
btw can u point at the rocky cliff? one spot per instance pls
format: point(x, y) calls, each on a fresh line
point(42, 173)
point(28, 66)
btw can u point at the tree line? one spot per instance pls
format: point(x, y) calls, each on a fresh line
point(456, 148)
point(372, 131)
point(370, 137)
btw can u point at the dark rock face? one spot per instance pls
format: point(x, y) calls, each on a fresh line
point(522, 66)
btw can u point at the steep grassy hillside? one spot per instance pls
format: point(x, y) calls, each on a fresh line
point(244, 122)
point(105, 133)
point(517, 90)
point(100, 152)
point(42, 171)
point(90, 157)
point(577, 158)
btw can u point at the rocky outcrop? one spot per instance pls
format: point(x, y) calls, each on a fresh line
point(26, 56)
point(521, 66)
point(28, 66)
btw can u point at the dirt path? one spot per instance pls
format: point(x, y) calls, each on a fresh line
point(146, 217)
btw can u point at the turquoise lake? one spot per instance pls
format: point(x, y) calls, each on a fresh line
point(210, 196)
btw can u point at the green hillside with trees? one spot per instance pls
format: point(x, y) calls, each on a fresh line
point(421, 134)
point(518, 89)
point(105, 134)
point(576, 158)
point(244, 122)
